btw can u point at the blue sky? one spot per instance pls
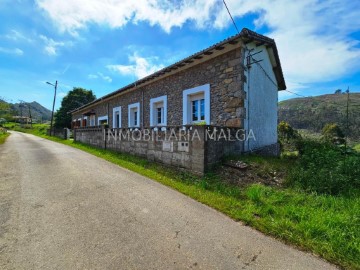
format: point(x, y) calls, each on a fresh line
point(104, 45)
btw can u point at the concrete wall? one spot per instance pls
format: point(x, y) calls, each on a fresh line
point(193, 152)
point(62, 133)
point(261, 101)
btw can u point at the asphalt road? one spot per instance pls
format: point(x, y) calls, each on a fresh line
point(61, 208)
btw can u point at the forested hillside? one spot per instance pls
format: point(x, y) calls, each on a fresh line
point(312, 113)
point(38, 112)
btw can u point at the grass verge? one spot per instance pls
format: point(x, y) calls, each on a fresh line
point(326, 225)
point(3, 137)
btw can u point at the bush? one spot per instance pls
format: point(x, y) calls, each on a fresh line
point(288, 137)
point(286, 132)
point(332, 133)
point(325, 168)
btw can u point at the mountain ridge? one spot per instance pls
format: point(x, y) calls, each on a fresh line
point(38, 112)
point(312, 113)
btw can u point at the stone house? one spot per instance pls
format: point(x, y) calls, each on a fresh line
point(232, 84)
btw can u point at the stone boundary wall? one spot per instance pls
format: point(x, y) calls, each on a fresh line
point(192, 152)
point(62, 133)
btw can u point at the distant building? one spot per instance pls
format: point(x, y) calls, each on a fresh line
point(22, 119)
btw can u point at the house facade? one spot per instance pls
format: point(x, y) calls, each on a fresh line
point(232, 84)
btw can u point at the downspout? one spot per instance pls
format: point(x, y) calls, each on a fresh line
point(105, 131)
point(108, 114)
point(248, 106)
point(142, 109)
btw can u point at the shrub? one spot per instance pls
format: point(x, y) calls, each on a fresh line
point(287, 137)
point(324, 168)
point(286, 132)
point(332, 133)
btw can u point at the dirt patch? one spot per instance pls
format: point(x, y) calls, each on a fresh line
point(243, 174)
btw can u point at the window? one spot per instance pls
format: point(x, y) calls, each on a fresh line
point(117, 117)
point(158, 111)
point(198, 110)
point(134, 115)
point(102, 120)
point(159, 115)
point(196, 105)
point(92, 120)
point(84, 121)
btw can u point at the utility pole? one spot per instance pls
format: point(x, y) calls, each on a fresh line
point(347, 118)
point(21, 120)
point(52, 113)
point(30, 115)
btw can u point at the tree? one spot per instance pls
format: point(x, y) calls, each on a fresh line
point(74, 99)
point(332, 133)
point(5, 110)
point(2, 121)
point(338, 91)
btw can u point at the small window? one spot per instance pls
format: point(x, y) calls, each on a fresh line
point(195, 110)
point(117, 117)
point(196, 105)
point(202, 109)
point(158, 114)
point(198, 110)
point(134, 115)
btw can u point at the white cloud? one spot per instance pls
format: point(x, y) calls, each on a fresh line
point(101, 76)
point(93, 76)
point(51, 46)
point(140, 68)
point(17, 36)
point(15, 51)
point(313, 36)
point(73, 15)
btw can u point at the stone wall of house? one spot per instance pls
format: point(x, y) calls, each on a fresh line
point(188, 148)
point(224, 73)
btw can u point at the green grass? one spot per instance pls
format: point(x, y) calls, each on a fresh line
point(3, 136)
point(326, 225)
point(37, 129)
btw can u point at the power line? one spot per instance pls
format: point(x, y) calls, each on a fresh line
point(249, 55)
point(231, 17)
point(260, 66)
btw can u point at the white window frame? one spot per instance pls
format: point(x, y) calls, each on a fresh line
point(102, 118)
point(153, 111)
point(115, 110)
point(187, 94)
point(130, 110)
